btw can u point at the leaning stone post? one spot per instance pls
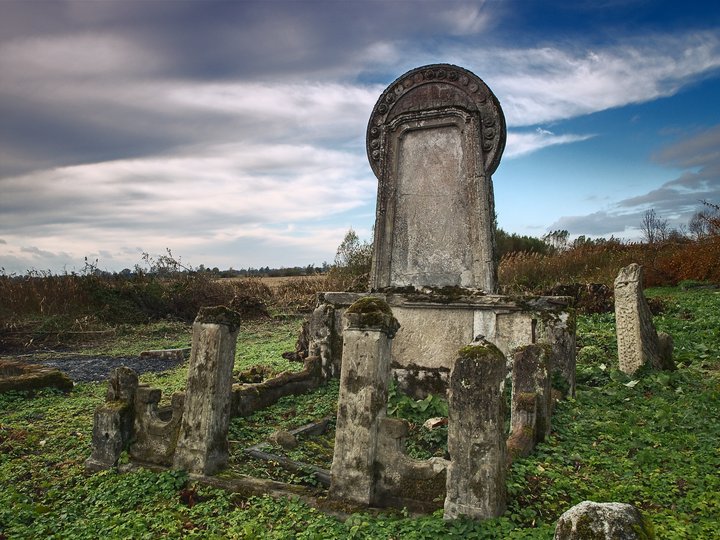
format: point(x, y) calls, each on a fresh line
point(202, 446)
point(638, 341)
point(476, 438)
point(364, 377)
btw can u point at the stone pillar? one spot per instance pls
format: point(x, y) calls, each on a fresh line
point(113, 420)
point(638, 341)
point(476, 439)
point(364, 378)
point(202, 446)
point(531, 366)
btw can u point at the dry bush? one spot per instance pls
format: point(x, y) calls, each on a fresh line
point(298, 294)
point(665, 264)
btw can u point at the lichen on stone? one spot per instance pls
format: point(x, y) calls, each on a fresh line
point(372, 312)
point(219, 315)
point(479, 351)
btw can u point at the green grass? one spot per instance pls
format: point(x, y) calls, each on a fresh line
point(651, 441)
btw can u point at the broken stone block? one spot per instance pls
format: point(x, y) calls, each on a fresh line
point(401, 481)
point(638, 341)
point(113, 420)
point(156, 428)
point(362, 403)
point(20, 376)
point(476, 438)
point(603, 521)
point(202, 446)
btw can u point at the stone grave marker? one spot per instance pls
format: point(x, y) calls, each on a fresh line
point(434, 139)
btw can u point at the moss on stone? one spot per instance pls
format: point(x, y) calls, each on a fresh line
point(479, 351)
point(372, 312)
point(219, 315)
point(525, 401)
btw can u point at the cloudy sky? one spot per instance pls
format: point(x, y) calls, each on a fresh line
point(232, 132)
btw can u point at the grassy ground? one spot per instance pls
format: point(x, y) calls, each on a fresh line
point(650, 441)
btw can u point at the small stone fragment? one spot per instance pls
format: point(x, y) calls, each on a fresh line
point(603, 521)
point(283, 439)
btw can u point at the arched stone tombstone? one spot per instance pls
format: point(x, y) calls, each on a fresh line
point(434, 139)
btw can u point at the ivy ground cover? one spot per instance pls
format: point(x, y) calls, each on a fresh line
point(653, 441)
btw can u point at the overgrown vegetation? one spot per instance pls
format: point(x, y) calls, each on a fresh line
point(650, 441)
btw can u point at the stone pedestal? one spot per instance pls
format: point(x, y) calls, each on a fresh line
point(202, 442)
point(364, 379)
point(476, 438)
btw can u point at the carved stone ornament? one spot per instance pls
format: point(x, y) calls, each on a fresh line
point(433, 87)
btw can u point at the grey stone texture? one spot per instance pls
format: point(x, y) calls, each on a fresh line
point(202, 446)
point(435, 323)
point(476, 434)
point(363, 399)
point(369, 465)
point(639, 344)
point(156, 428)
point(434, 138)
point(248, 398)
point(20, 376)
point(532, 400)
point(603, 521)
point(113, 420)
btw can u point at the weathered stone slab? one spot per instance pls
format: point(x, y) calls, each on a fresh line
point(113, 420)
point(638, 341)
point(403, 482)
point(434, 139)
point(476, 438)
point(363, 399)
point(248, 398)
point(435, 323)
point(603, 521)
point(156, 428)
point(21, 376)
point(202, 446)
point(531, 402)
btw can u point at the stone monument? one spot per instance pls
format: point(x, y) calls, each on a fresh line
point(434, 139)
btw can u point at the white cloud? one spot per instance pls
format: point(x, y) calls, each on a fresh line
point(466, 19)
point(523, 143)
point(539, 85)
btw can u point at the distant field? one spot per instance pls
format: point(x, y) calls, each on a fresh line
point(278, 281)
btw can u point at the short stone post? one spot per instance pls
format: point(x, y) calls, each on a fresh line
point(476, 439)
point(364, 378)
point(202, 446)
point(638, 341)
point(531, 366)
point(113, 420)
